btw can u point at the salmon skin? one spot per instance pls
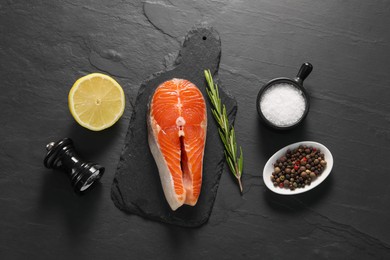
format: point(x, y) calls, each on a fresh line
point(177, 126)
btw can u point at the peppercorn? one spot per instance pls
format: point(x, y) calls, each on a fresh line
point(277, 169)
point(312, 175)
point(323, 162)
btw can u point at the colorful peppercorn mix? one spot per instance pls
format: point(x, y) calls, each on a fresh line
point(298, 167)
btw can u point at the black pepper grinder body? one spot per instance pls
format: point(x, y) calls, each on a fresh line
point(62, 155)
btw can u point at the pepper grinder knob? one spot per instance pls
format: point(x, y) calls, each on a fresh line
point(62, 155)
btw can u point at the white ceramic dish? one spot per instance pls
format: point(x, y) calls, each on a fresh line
point(268, 168)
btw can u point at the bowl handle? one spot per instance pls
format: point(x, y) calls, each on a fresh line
point(304, 71)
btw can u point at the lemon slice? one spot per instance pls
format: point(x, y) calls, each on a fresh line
point(96, 101)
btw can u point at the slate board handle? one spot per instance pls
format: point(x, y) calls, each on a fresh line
point(304, 71)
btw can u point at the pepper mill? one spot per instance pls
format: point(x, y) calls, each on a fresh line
point(62, 155)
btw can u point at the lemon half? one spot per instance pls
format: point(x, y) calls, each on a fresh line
point(96, 101)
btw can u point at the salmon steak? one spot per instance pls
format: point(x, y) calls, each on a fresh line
point(177, 126)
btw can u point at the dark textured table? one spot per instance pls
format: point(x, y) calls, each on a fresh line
point(45, 46)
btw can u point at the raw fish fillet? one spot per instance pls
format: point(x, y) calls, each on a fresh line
point(177, 125)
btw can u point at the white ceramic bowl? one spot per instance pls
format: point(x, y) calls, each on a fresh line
point(269, 168)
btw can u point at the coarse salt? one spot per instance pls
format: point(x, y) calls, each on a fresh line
point(283, 104)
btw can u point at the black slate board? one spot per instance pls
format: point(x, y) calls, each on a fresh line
point(136, 188)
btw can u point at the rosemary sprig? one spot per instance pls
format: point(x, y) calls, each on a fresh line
point(226, 131)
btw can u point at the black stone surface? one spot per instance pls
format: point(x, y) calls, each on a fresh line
point(46, 45)
point(137, 187)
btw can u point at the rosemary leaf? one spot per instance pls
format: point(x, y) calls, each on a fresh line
point(241, 161)
point(223, 138)
point(231, 165)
